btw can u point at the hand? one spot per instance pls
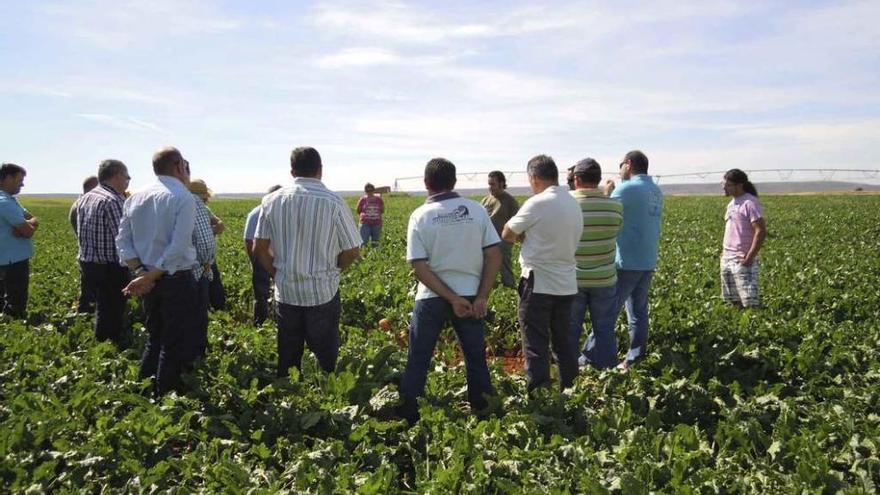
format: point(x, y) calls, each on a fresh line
point(747, 261)
point(608, 186)
point(462, 307)
point(480, 306)
point(140, 286)
point(218, 228)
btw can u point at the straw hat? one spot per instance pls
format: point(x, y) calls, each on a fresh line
point(199, 188)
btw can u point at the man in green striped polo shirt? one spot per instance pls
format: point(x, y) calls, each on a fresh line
point(596, 272)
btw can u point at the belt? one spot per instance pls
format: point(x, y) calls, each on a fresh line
point(180, 273)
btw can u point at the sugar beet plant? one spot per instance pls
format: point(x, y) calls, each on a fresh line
point(782, 399)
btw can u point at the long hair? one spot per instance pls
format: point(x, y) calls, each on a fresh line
point(737, 176)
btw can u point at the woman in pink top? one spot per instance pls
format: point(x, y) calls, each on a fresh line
point(370, 209)
point(744, 233)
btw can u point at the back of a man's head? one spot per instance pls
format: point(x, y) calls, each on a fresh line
point(273, 188)
point(638, 162)
point(305, 162)
point(10, 170)
point(90, 183)
point(440, 175)
point(544, 168)
point(109, 169)
point(588, 171)
point(165, 160)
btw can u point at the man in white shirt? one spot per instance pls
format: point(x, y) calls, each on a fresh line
point(453, 249)
point(305, 237)
point(259, 276)
point(549, 224)
point(155, 241)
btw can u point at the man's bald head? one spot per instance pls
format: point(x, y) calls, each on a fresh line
point(166, 160)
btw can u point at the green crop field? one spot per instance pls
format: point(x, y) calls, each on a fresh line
point(779, 400)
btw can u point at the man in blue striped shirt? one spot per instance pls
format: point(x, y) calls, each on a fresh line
point(156, 242)
point(305, 237)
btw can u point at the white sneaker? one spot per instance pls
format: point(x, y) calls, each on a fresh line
point(623, 366)
point(582, 361)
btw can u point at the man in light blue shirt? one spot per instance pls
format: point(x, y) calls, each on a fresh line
point(156, 242)
point(259, 276)
point(637, 242)
point(17, 226)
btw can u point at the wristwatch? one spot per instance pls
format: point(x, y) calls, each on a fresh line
point(140, 270)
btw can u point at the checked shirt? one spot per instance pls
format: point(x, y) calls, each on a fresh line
point(203, 240)
point(98, 213)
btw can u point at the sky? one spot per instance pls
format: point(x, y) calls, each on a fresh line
point(379, 88)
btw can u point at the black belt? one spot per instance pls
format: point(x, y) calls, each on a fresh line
point(180, 273)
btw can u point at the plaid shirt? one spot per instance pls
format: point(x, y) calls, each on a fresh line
point(203, 240)
point(97, 222)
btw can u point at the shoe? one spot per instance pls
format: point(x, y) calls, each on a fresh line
point(582, 361)
point(624, 366)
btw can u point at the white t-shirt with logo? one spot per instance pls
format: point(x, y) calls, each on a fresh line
point(450, 233)
point(553, 223)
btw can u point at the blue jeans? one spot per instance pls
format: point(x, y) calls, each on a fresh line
point(369, 232)
point(260, 280)
point(600, 348)
point(632, 290)
point(429, 317)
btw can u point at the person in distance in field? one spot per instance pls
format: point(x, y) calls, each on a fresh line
point(86, 301)
point(17, 227)
point(155, 241)
point(259, 277)
point(206, 251)
point(305, 237)
point(596, 273)
point(370, 208)
point(549, 224)
point(98, 214)
point(744, 233)
point(501, 206)
point(452, 247)
point(637, 244)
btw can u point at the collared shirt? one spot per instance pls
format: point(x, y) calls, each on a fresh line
point(450, 233)
point(12, 248)
point(250, 225)
point(97, 214)
point(203, 240)
point(500, 209)
point(308, 226)
point(603, 217)
point(552, 223)
point(642, 212)
point(157, 226)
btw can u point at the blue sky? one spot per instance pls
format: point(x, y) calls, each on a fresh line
point(380, 87)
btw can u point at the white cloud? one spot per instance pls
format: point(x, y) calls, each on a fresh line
point(126, 123)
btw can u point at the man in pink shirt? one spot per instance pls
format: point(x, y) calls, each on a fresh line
point(370, 209)
point(744, 233)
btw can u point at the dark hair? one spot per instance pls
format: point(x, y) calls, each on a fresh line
point(588, 171)
point(109, 169)
point(369, 187)
point(637, 161)
point(165, 159)
point(499, 176)
point(737, 176)
point(89, 183)
point(543, 167)
point(305, 161)
point(11, 170)
point(273, 188)
point(440, 174)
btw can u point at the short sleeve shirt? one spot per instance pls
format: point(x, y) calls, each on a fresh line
point(250, 225)
point(12, 249)
point(500, 209)
point(741, 213)
point(642, 213)
point(370, 209)
point(450, 233)
point(552, 223)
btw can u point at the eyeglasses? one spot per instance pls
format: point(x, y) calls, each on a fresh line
point(623, 163)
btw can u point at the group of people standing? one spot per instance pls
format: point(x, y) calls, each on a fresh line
point(589, 247)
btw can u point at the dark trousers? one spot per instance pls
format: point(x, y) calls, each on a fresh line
point(107, 281)
point(315, 326)
point(544, 322)
point(199, 345)
point(14, 280)
point(260, 280)
point(171, 322)
point(217, 293)
point(429, 317)
point(87, 296)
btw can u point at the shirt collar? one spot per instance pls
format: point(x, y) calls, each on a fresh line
point(110, 190)
point(172, 183)
point(307, 180)
point(589, 192)
point(442, 197)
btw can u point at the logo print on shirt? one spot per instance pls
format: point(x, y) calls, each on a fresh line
point(458, 215)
